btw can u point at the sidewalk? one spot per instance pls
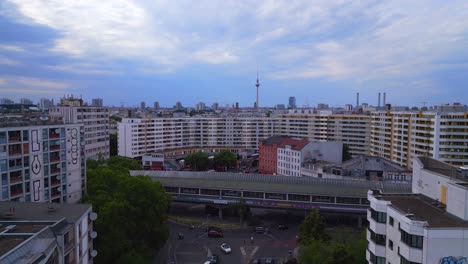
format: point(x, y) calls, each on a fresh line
point(203, 222)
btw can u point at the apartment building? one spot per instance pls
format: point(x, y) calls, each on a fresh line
point(95, 121)
point(42, 161)
point(402, 136)
point(268, 154)
point(137, 137)
point(352, 130)
point(46, 233)
point(429, 225)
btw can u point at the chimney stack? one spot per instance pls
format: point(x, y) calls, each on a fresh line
point(384, 100)
point(378, 103)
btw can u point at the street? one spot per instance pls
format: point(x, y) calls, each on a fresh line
point(196, 247)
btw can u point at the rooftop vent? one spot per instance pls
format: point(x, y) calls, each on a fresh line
point(51, 209)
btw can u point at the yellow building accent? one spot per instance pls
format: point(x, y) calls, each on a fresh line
point(443, 194)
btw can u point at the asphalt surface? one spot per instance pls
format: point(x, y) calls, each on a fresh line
point(196, 247)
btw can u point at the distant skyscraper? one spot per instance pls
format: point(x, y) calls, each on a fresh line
point(215, 106)
point(26, 101)
point(280, 107)
point(45, 104)
point(178, 106)
point(6, 101)
point(143, 106)
point(200, 106)
point(348, 107)
point(156, 105)
point(237, 105)
point(322, 106)
point(292, 102)
point(96, 102)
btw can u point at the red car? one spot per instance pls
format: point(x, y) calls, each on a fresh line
point(215, 233)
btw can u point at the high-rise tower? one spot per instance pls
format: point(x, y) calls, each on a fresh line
point(257, 85)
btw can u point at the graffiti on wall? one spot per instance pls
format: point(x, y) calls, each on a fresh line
point(454, 260)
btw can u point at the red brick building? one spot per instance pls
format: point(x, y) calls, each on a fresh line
point(268, 154)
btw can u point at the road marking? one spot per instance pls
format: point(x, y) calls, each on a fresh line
point(254, 251)
point(243, 251)
point(208, 254)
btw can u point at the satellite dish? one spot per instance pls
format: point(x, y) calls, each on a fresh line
point(93, 234)
point(44, 118)
point(59, 189)
point(93, 253)
point(93, 216)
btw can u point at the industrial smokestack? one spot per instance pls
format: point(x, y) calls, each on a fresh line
point(357, 100)
point(378, 103)
point(384, 100)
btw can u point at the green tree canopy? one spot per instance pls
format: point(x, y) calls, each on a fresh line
point(131, 212)
point(198, 161)
point(225, 158)
point(313, 228)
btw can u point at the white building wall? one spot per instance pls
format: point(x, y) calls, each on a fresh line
point(441, 243)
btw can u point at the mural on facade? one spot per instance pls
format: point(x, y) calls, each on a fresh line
point(36, 165)
point(74, 147)
point(454, 260)
point(35, 146)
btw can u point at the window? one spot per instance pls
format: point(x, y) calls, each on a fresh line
point(405, 261)
point(390, 220)
point(377, 238)
point(414, 241)
point(380, 217)
point(375, 259)
point(390, 244)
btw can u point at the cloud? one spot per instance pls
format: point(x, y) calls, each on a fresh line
point(215, 56)
point(35, 82)
point(11, 48)
point(333, 40)
point(7, 61)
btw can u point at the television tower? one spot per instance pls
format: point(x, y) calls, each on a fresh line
point(257, 85)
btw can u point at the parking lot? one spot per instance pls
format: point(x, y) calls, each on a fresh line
point(196, 247)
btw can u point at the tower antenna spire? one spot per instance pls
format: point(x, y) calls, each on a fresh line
point(257, 85)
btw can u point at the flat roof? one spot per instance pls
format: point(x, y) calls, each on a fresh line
point(28, 211)
point(272, 183)
point(9, 243)
point(443, 168)
point(422, 208)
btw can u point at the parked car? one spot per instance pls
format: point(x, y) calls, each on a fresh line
point(256, 261)
point(225, 248)
point(180, 236)
point(215, 233)
point(282, 227)
point(214, 259)
point(269, 261)
point(259, 230)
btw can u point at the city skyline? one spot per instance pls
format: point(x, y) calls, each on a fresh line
point(127, 52)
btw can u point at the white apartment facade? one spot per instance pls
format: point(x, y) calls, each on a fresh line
point(137, 137)
point(47, 233)
point(96, 127)
point(402, 136)
point(293, 153)
point(430, 225)
point(42, 163)
point(352, 130)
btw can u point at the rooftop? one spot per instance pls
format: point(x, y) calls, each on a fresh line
point(421, 208)
point(444, 169)
point(28, 120)
point(27, 211)
point(271, 183)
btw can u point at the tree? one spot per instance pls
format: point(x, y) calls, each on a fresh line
point(198, 161)
point(346, 154)
point(315, 252)
point(225, 158)
point(313, 228)
point(113, 145)
point(131, 212)
point(340, 253)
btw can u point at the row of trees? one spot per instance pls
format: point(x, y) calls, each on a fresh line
point(132, 211)
point(201, 161)
point(317, 247)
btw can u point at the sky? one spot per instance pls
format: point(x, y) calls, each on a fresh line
point(319, 51)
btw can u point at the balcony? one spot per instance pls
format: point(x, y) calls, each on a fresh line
point(411, 253)
point(377, 227)
point(14, 180)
